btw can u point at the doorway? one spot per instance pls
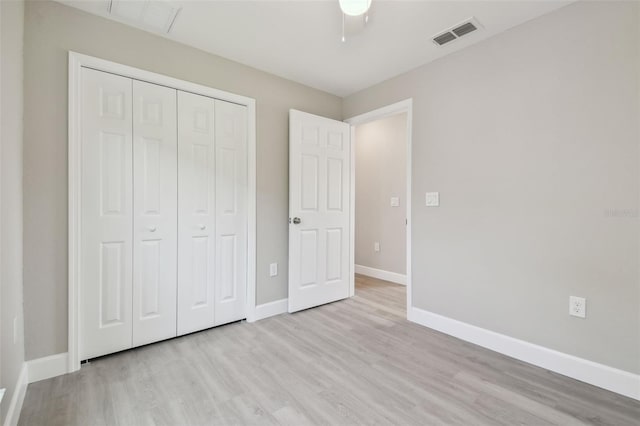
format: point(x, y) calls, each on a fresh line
point(381, 196)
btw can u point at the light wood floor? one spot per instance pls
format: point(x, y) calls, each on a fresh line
point(356, 361)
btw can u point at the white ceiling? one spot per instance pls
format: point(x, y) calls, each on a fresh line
point(300, 40)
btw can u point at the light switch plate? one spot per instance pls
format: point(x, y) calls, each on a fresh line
point(273, 269)
point(376, 246)
point(395, 202)
point(432, 199)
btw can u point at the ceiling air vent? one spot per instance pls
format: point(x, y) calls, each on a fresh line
point(464, 29)
point(467, 26)
point(444, 38)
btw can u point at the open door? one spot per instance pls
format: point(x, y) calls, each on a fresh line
point(319, 223)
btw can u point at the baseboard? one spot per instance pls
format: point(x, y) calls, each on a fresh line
point(394, 277)
point(47, 367)
point(270, 309)
point(20, 390)
point(613, 379)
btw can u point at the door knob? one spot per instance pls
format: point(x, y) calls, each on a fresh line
point(203, 227)
point(296, 221)
point(152, 228)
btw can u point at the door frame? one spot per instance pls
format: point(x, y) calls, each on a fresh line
point(405, 106)
point(76, 62)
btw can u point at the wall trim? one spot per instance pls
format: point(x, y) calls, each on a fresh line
point(603, 376)
point(270, 309)
point(19, 391)
point(48, 367)
point(380, 274)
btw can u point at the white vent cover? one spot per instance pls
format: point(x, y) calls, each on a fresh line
point(155, 15)
point(460, 30)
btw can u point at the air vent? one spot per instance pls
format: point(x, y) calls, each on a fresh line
point(464, 29)
point(467, 26)
point(444, 38)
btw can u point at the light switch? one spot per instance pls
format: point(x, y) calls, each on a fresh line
point(432, 199)
point(395, 202)
point(273, 269)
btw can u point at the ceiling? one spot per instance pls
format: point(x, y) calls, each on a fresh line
point(301, 40)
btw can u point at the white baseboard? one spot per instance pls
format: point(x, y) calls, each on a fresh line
point(613, 379)
point(270, 309)
point(48, 367)
point(20, 390)
point(394, 277)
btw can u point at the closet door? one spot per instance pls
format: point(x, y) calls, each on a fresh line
point(231, 211)
point(106, 272)
point(155, 195)
point(196, 216)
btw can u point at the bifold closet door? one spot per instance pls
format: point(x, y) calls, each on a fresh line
point(231, 211)
point(196, 215)
point(155, 195)
point(164, 213)
point(212, 217)
point(107, 222)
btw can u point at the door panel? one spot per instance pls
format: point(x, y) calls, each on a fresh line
point(319, 195)
point(231, 211)
point(196, 216)
point(155, 213)
point(310, 180)
point(106, 222)
point(112, 281)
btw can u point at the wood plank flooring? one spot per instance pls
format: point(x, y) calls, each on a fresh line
point(357, 361)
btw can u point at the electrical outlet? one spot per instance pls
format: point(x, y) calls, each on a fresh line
point(273, 269)
point(578, 306)
point(376, 246)
point(395, 202)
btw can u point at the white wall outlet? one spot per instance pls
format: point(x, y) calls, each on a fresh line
point(273, 269)
point(432, 199)
point(376, 246)
point(395, 202)
point(578, 306)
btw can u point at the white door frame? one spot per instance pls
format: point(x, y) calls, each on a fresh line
point(405, 106)
point(76, 62)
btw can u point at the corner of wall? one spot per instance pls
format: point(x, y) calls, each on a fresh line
point(13, 370)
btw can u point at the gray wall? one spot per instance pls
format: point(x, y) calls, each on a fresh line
point(51, 30)
point(532, 139)
point(381, 173)
point(11, 353)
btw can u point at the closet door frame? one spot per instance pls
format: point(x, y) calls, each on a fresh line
point(78, 61)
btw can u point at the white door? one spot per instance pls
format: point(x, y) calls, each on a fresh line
point(231, 212)
point(319, 197)
point(155, 195)
point(196, 215)
point(107, 220)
